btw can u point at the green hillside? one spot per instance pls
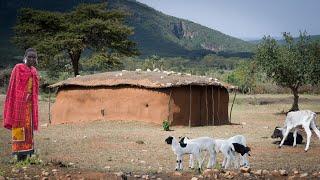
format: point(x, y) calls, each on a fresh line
point(155, 32)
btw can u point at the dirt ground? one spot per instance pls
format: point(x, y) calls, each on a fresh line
point(101, 148)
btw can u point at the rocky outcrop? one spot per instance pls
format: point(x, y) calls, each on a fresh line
point(180, 30)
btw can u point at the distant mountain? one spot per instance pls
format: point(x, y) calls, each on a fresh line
point(155, 32)
point(281, 41)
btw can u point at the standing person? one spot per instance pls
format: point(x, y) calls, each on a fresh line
point(20, 113)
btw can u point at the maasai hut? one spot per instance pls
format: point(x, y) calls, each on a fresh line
point(148, 96)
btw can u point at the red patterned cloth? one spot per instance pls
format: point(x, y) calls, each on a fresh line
point(15, 107)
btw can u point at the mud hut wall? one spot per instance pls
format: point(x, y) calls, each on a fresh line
point(181, 103)
point(224, 117)
point(110, 103)
point(181, 106)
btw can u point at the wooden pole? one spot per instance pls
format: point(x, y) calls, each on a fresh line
point(49, 113)
point(234, 98)
point(212, 105)
point(190, 97)
point(169, 106)
point(207, 111)
point(219, 119)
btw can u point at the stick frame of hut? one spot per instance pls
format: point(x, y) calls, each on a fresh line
point(142, 96)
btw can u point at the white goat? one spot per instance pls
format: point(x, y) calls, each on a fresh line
point(181, 149)
point(228, 150)
point(206, 144)
point(306, 119)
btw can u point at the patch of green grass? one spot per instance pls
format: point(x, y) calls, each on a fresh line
point(33, 160)
point(1, 172)
point(218, 166)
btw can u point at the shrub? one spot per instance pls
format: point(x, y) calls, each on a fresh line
point(166, 125)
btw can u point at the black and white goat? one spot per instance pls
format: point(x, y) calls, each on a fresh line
point(229, 148)
point(278, 133)
point(206, 144)
point(184, 148)
point(306, 119)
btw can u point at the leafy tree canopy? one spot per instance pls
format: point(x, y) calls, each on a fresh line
point(88, 26)
point(291, 65)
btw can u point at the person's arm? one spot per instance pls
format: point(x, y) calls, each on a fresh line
point(7, 110)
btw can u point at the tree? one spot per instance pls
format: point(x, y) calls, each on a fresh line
point(291, 65)
point(88, 26)
point(244, 76)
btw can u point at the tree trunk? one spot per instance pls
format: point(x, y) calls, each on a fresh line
point(295, 105)
point(75, 56)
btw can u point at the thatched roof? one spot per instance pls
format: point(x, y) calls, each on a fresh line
point(148, 79)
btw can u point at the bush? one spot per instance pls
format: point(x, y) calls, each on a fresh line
point(166, 125)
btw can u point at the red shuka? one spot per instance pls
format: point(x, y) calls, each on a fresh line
point(14, 112)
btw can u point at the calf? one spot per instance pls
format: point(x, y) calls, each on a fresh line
point(278, 133)
point(306, 119)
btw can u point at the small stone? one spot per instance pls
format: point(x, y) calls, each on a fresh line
point(291, 177)
point(207, 172)
point(68, 175)
point(275, 173)
point(243, 123)
point(142, 162)
point(283, 172)
point(177, 173)
point(145, 177)
point(200, 177)
point(304, 175)
point(14, 170)
point(45, 173)
point(107, 167)
point(233, 173)
point(24, 168)
point(296, 172)
point(216, 170)
point(44, 178)
point(36, 176)
point(54, 170)
point(71, 164)
point(194, 178)
point(246, 174)
point(153, 177)
point(137, 176)
point(245, 169)
point(258, 172)
point(265, 172)
point(119, 174)
point(315, 174)
point(227, 173)
point(159, 178)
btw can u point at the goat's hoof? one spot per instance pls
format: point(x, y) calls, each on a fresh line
point(306, 150)
point(279, 147)
point(177, 169)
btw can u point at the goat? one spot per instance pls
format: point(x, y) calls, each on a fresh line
point(230, 146)
point(181, 148)
point(278, 133)
point(306, 119)
point(205, 143)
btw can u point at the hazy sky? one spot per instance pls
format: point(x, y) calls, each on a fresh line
point(246, 18)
